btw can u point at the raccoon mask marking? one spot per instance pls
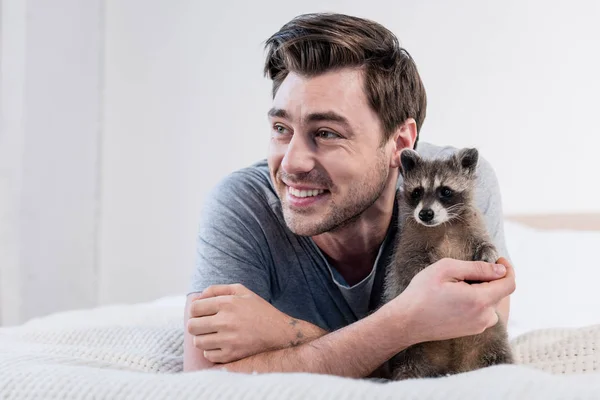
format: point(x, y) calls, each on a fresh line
point(438, 191)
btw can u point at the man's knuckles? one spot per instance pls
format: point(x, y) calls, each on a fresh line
point(482, 270)
point(239, 289)
point(212, 306)
point(227, 302)
point(225, 290)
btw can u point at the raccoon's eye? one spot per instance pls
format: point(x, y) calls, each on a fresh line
point(417, 193)
point(446, 192)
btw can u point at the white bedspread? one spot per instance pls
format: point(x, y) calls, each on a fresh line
point(135, 351)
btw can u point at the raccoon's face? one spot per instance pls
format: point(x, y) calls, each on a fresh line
point(437, 191)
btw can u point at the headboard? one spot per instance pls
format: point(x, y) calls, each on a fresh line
point(579, 221)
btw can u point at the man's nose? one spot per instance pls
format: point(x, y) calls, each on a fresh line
point(299, 156)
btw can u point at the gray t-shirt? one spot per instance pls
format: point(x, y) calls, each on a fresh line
point(243, 239)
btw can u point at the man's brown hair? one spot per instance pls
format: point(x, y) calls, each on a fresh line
point(311, 44)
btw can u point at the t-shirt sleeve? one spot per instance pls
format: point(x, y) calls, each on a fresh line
point(231, 243)
point(489, 201)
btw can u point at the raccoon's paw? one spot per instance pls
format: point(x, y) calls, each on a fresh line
point(486, 253)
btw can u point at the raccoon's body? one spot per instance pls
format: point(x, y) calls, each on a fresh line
point(439, 220)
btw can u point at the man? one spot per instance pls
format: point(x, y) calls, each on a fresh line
point(292, 250)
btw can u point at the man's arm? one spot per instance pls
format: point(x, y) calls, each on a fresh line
point(354, 351)
point(436, 293)
point(195, 358)
point(230, 322)
point(375, 338)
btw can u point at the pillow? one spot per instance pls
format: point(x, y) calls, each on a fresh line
point(558, 278)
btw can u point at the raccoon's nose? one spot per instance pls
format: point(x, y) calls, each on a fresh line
point(426, 215)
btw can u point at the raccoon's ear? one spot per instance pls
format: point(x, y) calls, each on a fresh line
point(409, 159)
point(467, 159)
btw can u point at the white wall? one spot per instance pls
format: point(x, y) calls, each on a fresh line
point(51, 113)
point(179, 91)
point(12, 19)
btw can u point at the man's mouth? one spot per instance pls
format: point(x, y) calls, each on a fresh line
point(304, 198)
point(305, 192)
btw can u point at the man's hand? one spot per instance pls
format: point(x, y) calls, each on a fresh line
point(230, 322)
point(443, 306)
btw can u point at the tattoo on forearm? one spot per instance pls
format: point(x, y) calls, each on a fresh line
point(299, 334)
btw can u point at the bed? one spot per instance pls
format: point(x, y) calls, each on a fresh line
point(135, 351)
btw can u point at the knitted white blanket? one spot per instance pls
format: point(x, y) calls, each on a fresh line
point(135, 351)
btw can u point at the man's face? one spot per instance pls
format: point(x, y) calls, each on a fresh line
point(325, 154)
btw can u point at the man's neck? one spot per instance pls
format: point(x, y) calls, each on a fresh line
point(353, 249)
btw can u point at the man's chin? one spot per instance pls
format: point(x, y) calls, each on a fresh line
point(303, 225)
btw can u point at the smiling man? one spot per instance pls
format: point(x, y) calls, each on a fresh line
point(292, 250)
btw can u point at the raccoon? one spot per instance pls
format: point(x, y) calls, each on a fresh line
point(440, 220)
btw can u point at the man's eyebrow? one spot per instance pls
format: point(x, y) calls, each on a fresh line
point(327, 116)
point(278, 113)
point(313, 117)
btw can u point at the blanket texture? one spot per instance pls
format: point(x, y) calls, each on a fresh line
point(135, 351)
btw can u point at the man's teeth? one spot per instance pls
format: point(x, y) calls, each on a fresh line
point(305, 193)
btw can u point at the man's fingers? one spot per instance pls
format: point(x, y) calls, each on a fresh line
point(204, 307)
point(208, 342)
point(498, 289)
point(496, 283)
point(475, 271)
point(215, 356)
point(504, 262)
point(224, 290)
point(202, 326)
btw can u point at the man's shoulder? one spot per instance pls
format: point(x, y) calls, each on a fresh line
point(245, 193)
point(251, 182)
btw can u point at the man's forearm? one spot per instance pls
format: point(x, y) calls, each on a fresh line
point(302, 332)
point(353, 351)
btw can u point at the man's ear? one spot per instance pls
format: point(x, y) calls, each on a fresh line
point(467, 159)
point(409, 159)
point(404, 138)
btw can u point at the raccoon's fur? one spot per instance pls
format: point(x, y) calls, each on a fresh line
point(439, 220)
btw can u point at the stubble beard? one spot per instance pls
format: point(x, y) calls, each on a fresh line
point(338, 216)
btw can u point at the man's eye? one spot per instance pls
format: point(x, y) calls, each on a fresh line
point(281, 130)
point(327, 135)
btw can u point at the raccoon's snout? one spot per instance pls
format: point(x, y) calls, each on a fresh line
point(426, 215)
